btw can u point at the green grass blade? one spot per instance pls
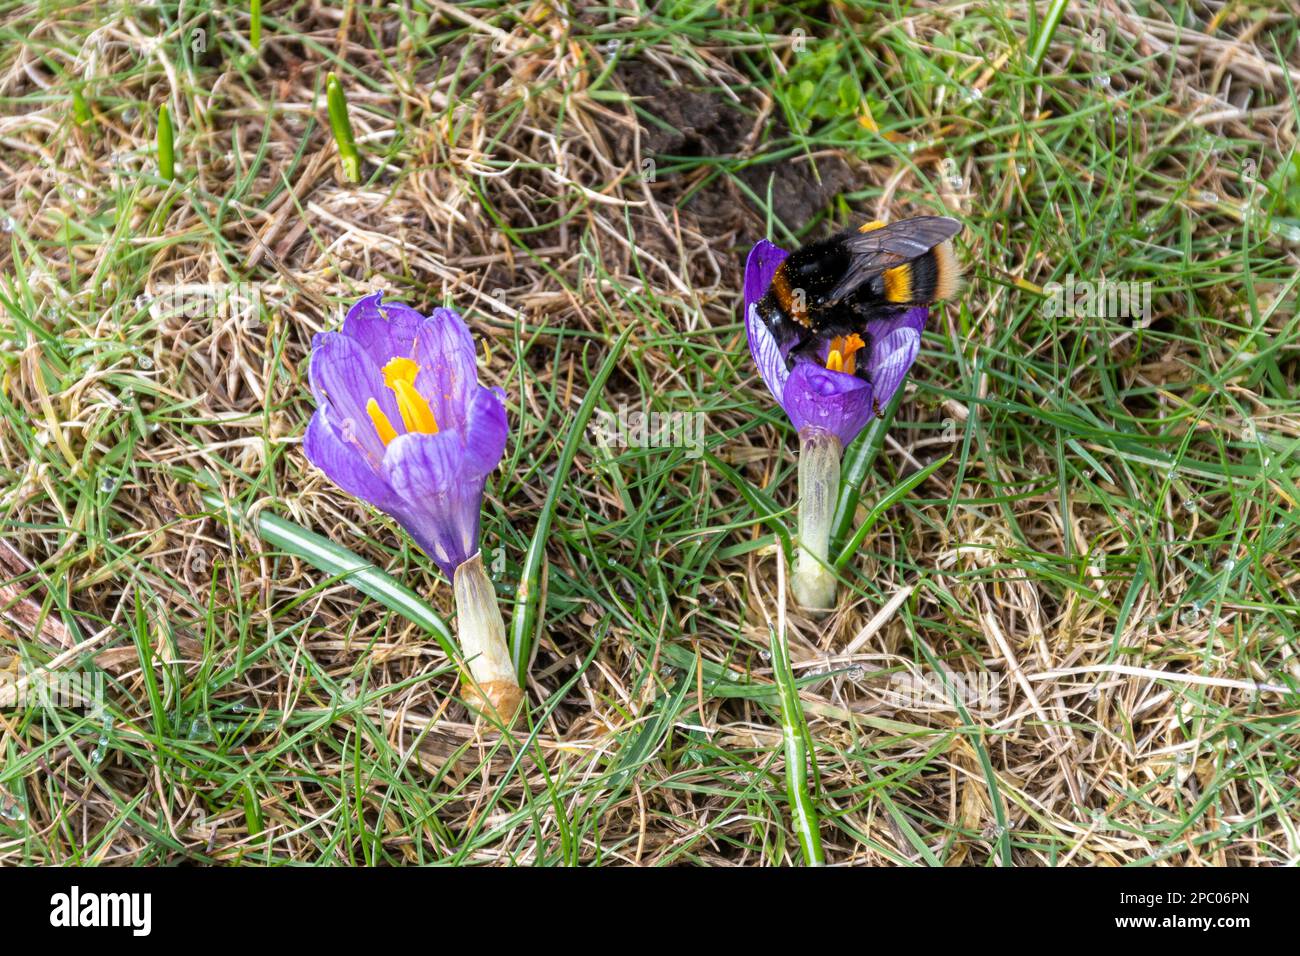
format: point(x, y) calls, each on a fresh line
point(881, 506)
point(166, 144)
point(526, 617)
point(1046, 31)
point(341, 126)
point(334, 559)
point(858, 459)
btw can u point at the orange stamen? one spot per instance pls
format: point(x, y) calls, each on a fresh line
point(841, 357)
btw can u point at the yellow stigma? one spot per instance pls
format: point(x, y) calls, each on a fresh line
point(400, 369)
point(842, 357)
point(417, 416)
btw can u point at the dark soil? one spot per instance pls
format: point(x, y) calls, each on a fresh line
point(694, 122)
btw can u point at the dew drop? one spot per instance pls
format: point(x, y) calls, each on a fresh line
point(200, 729)
point(130, 114)
point(765, 655)
point(1101, 81)
point(7, 224)
point(1021, 168)
point(1209, 196)
point(107, 485)
point(972, 94)
point(13, 812)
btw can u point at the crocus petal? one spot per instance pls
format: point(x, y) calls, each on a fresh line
point(817, 397)
point(446, 355)
point(910, 319)
point(767, 353)
point(891, 357)
point(439, 498)
point(485, 430)
point(344, 463)
point(345, 378)
point(761, 265)
point(385, 330)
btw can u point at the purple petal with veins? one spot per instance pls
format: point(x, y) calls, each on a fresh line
point(432, 483)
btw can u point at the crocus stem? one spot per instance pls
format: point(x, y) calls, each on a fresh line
point(819, 482)
point(482, 635)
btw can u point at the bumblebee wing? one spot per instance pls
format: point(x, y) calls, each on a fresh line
point(871, 253)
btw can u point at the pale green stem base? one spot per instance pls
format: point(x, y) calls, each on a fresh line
point(481, 633)
point(813, 582)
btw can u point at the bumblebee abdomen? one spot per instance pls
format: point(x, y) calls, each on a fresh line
point(928, 278)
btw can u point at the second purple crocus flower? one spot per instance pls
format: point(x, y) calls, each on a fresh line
point(829, 402)
point(403, 423)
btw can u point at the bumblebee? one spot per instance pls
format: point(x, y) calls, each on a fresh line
point(834, 287)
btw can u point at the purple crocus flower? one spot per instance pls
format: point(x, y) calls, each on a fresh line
point(402, 422)
point(854, 378)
